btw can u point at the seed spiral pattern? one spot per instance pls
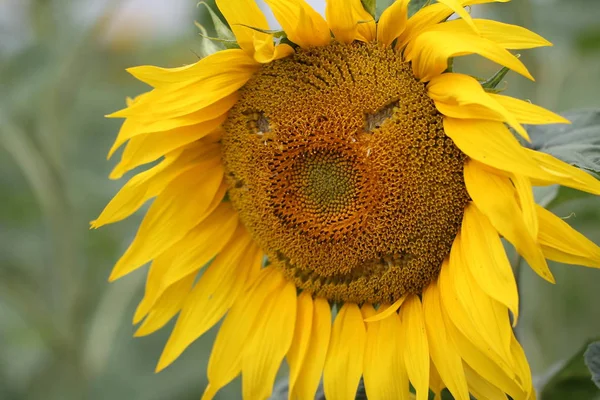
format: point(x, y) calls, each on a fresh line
point(339, 167)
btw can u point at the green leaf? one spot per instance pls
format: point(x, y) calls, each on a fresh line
point(416, 5)
point(592, 360)
point(492, 83)
point(588, 41)
point(577, 144)
point(221, 28)
point(370, 6)
point(380, 7)
point(208, 45)
point(571, 380)
point(277, 33)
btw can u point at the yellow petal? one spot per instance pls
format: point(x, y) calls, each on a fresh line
point(152, 146)
point(491, 143)
point(494, 196)
point(444, 354)
point(172, 215)
point(522, 366)
point(430, 51)
point(200, 70)
point(462, 318)
point(151, 183)
point(489, 317)
point(385, 375)
point(558, 171)
point(149, 124)
point(367, 310)
point(506, 35)
point(527, 202)
point(421, 20)
point(225, 361)
point(484, 365)
point(431, 15)
point(179, 99)
point(480, 387)
point(344, 363)
point(487, 259)
point(242, 16)
point(435, 382)
point(461, 96)
point(201, 244)
point(213, 295)
point(265, 53)
point(555, 233)
point(367, 28)
point(527, 113)
point(386, 311)
point(166, 306)
point(349, 21)
point(142, 187)
point(458, 8)
point(270, 341)
point(392, 22)
point(303, 25)
point(415, 347)
point(155, 282)
point(300, 343)
point(309, 375)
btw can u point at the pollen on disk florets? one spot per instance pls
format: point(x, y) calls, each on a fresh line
point(339, 167)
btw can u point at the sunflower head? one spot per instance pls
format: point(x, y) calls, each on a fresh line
point(339, 167)
point(345, 167)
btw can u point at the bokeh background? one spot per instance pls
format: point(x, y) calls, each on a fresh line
point(65, 333)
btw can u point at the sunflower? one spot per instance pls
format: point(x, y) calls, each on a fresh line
point(337, 195)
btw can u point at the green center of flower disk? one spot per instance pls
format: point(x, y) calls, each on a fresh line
point(339, 168)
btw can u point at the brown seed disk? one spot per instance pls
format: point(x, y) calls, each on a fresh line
point(339, 167)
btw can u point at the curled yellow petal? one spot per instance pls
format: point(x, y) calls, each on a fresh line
point(303, 25)
point(527, 113)
point(386, 311)
point(480, 387)
point(494, 196)
point(565, 241)
point(560, 172)
point(430, 51)
point(392, 22)
point(461, 96)
point(506, 35)
point(242, 16)
point(458, 8)
point(491, 143)
point(432, 15)
point(349, 21)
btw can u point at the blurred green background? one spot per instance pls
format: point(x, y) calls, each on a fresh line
point(65, 333)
